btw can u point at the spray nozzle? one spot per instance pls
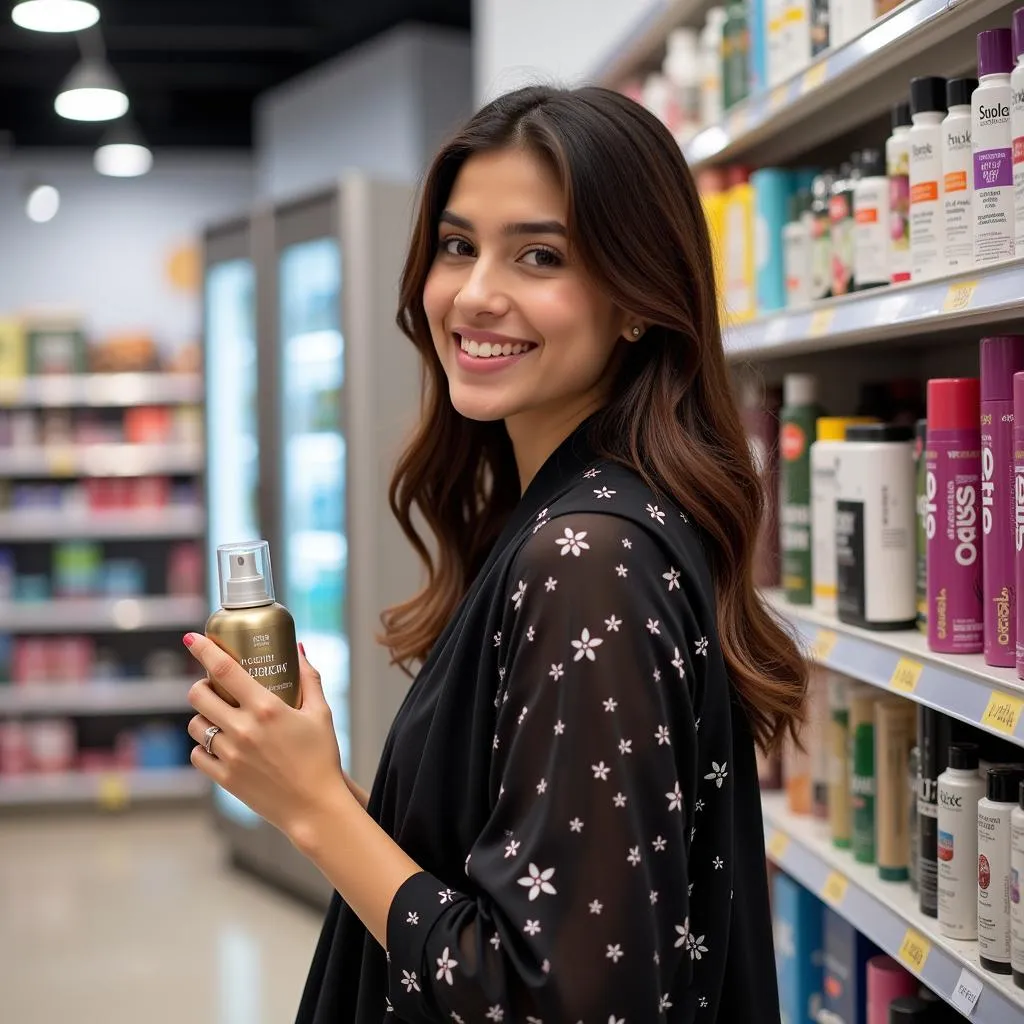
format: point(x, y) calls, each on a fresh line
point(246, 580)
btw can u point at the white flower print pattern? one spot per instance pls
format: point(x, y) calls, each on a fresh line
point(444, 967)
point(717, 773)
point(615, 953)
point(675, 799)
point(603, 492)
point(410, 981)
point(673, 579)
point(701, 646)
point(412, 917)
point(573, 543)
point(538, 881)
point(656, 513)
point(585, 646)
point(517, 597)
point(612, 624)
point(557, 671)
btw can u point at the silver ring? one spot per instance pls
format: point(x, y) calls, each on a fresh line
point(208, 739)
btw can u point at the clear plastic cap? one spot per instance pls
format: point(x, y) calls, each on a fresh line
point(246, 578)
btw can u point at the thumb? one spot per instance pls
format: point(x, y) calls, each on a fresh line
point(310, 684)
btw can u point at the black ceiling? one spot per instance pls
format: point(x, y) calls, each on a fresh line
point(192, 68)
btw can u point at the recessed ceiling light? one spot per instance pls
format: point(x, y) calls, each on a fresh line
point(91, 93)
point(55, 15)
point(122, 160)
point(42, 204)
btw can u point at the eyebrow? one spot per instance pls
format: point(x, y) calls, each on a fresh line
point(534, 227)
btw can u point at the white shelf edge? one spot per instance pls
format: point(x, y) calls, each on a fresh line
point(985, 295)
point(115, 460)
point(121, 390)
point(58, 524)
point(119, 614)
point(106, 789)
point(129, 696)
point(883, 911)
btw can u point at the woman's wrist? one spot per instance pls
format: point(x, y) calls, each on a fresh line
point(333, 803)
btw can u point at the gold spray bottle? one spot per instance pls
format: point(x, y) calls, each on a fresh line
point(256, 631)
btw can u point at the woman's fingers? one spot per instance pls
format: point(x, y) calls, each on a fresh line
point(205, 700)
point(224, 670)
point(221, 747)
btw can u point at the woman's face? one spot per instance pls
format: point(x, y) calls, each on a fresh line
point(504, 281)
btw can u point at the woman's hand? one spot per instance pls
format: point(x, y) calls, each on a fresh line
point(282, 762)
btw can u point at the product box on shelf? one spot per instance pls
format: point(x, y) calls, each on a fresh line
point(797, 917)
point(847, 952)
point(13, 351)
point(56, 345)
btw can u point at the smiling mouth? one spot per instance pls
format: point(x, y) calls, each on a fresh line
point(491, 350)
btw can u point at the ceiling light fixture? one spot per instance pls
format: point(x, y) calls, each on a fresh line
point(42, 203)
point(91, 92)
point(55, 15)
point(122, 153)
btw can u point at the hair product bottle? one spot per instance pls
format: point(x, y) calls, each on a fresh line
point(928, 108)
point(921, 475)
point(1017, 128)
point(897, 169)
point(913, 774)
point(862, 772)
point(256, 631)
point(994, 228)
point(933, 734)
point(953, 513)
point(957, 175)
point(960, 789)
point(797, 418)
point(839, 760)
point(1018, 509)
point(995, 812)
point(887, 980)
point(1001, 358)
point(895, 724)
point(796, 251)
point(772, 189)
point(819, 230)
point(1016, 896)
point(871, 222)
point(711, 67)
point(840, 213)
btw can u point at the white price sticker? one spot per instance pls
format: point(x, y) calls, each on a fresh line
point(965, 995)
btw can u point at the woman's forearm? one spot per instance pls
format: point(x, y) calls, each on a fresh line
point(356, 790)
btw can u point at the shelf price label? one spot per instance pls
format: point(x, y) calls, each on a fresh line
point(824, 644)
point(914, 950)
point(112, 792)
point(814, 77)
point(10, 390)
point(1002, 712)
point(959, 296)
point(738, 122)
point(906, 674)
point(778, 98)
point(834, 889)
point(965, 995)
point(821, 322)
point(777, 845)
point(61, 461)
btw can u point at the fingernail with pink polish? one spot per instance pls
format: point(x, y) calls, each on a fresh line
point(188, 639)
point(302, 650)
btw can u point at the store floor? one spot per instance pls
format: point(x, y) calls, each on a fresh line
point(117, 920)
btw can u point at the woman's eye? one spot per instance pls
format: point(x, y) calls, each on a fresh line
point(453, 245)
point(542, 258)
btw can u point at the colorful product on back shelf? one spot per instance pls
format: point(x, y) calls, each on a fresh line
point(871, 222)
point(897, 164)
point(1018, 493)
point(798, 417)
point(798, 949)
point(1017, 129)
point(957, 175)
point(928, 109)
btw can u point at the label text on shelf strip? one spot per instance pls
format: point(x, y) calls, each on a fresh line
point(112, 792)
point(814, 76)
point(914, 950)
point(738, 122)
point(834, 889)
point(778, 98)
point(965, 995)
point(959, 296)
point(1002, 712)
point(906, 674)
point(821, 322)
point(824, 644)
point(777, 845)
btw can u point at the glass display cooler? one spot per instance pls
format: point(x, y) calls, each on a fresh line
point(312, 391)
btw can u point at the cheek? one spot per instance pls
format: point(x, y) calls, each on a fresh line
point(438, 295)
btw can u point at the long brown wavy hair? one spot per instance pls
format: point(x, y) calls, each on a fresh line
point(636, 224)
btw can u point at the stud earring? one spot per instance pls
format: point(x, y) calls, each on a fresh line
point(636, 332)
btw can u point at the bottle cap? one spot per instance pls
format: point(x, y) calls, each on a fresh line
point(927, 93)
point(1018, 32)
point(799, 389)
point(995, 52)
point(872, 163)
point(246, 579)
point(834, 428)
point(878, 432)
point(959, 90)
point(1001, 358)
point(963, 757)
point(1018, 397)
point(954, 403)
point(901, 115)
point(911, 1010)
point(1003, 783)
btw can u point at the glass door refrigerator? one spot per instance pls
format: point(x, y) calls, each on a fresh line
point(319, 392)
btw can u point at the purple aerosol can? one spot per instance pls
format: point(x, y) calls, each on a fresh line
point(953, 516)
point(1018, 495)
point(1001, 358)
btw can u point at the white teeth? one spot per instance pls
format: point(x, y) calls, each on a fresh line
point(516, 349)
point(474, 348)
point(487, 349)
point(506, 349)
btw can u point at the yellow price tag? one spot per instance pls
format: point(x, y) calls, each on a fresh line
point(62, 461)
point(914, 950)
point(824, 644)
point(821, 322)
point(738, 121)
point(777, 845)
point(834, 889)
point(112, 793)
point(778, 97)
point(814, 77)
point(1002, 712)
point(906, 674)
point(10, 390)
point(959, 296)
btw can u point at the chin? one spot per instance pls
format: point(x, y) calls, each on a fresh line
point(481, 408)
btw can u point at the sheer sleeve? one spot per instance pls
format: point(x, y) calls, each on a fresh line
point(575, 905)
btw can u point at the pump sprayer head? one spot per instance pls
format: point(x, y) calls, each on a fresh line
point(245, 576)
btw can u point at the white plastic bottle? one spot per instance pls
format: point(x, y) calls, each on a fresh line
point(682, 68)
point(711, 67)
point(1017, 128)
point(995, 811)
point(796, 252)
point(960, 789)
point(897, 169)
point(927, 110)
point(1016, 895)
point(994, 228)
point(958, 175)
point(871, 222)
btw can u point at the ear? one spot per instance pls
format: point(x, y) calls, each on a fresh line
point(633, 328)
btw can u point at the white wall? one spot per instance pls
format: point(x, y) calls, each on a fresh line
point(381, 109)
point(559, 42)
point(104, 254)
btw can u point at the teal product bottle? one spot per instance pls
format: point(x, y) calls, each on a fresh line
point(735, 56)
point(757, 69)
point(797, 419)
point(772, 190)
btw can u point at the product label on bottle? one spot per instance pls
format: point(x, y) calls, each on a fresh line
point(997, 519)
point(849, 542)
point(994, 883)
point(1018, 535)
point(956, 167)
point(871, 232)
point(1017, 133)
point(994, 229)
point(926, 225)
point(262, 641)
point(953, 529)
point(823, 528)
point(862, 791)
point(1016, 882)
point(921, 472)
point(795, 533)
point(958, 856)
point(796, 255)
point(840, 214)
point(898, 171)
point(821, 257)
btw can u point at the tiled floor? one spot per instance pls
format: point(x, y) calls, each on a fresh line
point(136, 920)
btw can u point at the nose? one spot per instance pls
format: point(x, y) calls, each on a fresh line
point(482, 294)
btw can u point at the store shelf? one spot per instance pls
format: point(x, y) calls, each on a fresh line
point(40, 524)
point(886, 912)
point(959, 685)
point(897, 312)
point(129, 697)
point(101, 389)
point(101, 460)
point(848, 86)
point(109, 790)
point(101, 615)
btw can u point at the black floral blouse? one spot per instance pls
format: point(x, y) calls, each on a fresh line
point(575, 776)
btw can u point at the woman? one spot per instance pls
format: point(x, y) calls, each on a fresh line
point(566, 822)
